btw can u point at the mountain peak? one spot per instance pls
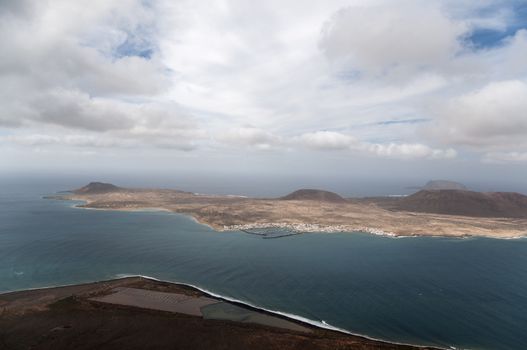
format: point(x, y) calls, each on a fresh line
point(314, 194)
point(97, 187)
point(444, 185)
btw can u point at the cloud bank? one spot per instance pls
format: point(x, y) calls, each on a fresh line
point(338, 77)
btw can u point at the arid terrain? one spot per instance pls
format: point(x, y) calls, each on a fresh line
point(322, 211)
point(73, 317)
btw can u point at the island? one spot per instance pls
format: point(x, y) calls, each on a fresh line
point(443, 212)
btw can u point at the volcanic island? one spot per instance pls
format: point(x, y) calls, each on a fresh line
point(446, 212)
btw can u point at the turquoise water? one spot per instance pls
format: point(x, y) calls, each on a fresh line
point(469, 293)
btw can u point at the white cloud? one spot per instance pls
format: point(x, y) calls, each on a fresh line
point(61, 65)
point(66, 45)
point(491, 117)
point(230, 75)
point(514, 53)
point(402, 36)
point(246, 137)
point(74, 109)
point(249, 136)
point(505, 157)
point(410, 150)
point(330, 140)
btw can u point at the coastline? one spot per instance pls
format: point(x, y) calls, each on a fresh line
point(309, 228)
point(140, 210)
point(319, 324)
point(297, 228)
point(322, 325)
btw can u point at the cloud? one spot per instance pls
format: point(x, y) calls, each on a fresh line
point(230, 76)
point(50, 50)
point(513, 50)
point(492, 117)
point(156, 123)
point(137, 139)
point(16, 8)
point(245, 137)
point(249, 136)
point(37, 140)
point(60, 71)
point(410, 150)
point(403, 35)
point(73, 119)
point(330, 140)
point(71, 108)
point(505, 157)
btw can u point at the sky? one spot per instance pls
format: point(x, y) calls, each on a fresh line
point(372, 90)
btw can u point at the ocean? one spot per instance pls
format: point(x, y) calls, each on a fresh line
point(463, 293)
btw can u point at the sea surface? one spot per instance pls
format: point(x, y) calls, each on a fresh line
point(464, 293)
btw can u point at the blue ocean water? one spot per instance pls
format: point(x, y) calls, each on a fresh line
point(467, 293)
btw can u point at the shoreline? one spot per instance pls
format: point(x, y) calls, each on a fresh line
point(295, 227)
point(309, 228)
point(284, 315)
point(298, 228)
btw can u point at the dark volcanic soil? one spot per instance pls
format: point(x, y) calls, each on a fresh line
point(466, 203)
point(74, 322)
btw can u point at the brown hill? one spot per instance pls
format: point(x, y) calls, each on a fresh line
point(97, 187)
point(467, 203)
point(444, 185)
point(314, 195)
